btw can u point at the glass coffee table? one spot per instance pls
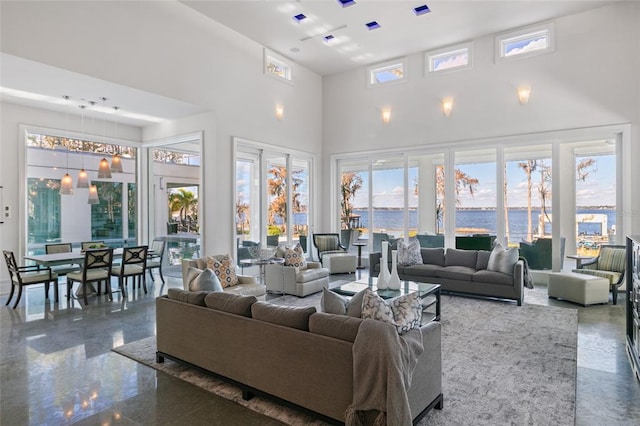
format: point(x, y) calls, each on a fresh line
point(429, 293)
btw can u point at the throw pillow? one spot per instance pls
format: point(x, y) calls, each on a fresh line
point(404, 312)
point(294, 256)
point(501, 260)
point(224, 269)
point(206, 280)
point(409, 254)
point(333, 303)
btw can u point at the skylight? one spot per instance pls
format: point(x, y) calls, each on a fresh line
point(299, 17)
point(347, 3)
point(421, 10)
point(372, 25)
point(329, 38)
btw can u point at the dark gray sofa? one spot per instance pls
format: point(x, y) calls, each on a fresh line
point(460, 271)
point(302, 359)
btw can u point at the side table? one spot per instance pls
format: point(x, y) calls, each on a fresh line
point(579, 259)
point(262, 263)
point(359, 245)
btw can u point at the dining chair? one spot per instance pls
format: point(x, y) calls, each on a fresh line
point(134, 264)
point(26, 275)
point(96, 267)
point(61, 270)
point(155, 258)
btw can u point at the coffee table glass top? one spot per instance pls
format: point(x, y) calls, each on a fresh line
point(407, 287)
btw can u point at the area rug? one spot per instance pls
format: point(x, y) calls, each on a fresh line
point(502, 364)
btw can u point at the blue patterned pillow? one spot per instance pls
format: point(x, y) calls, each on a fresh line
point(404, 312)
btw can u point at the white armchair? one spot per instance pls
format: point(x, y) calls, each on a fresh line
point(296, 281)
point(247, 285)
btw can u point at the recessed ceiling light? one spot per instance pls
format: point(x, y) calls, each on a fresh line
point(347, 3)
point(295, 49)
point(421, 10)
point(299, 17)
point(372, 25)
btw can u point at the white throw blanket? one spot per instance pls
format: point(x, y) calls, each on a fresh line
point(383, 363)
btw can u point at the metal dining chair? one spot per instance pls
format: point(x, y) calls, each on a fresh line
point(155, 258)
point(134, 264)
point(26, 275)
point(96, 267)
point(61, 270)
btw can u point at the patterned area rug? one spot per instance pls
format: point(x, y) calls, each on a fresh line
point(502, 364)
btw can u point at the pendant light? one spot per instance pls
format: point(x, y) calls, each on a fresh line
point(104, 170)
point(66, 184)
point(83, 178)
point(93, 195)
point(116, 161)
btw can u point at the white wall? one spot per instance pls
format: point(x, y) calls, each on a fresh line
point(169, 49)
point(590, 80)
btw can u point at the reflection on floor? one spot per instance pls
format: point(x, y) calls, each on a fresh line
point(56, 365)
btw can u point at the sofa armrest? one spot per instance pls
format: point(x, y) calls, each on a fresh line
point(314, 265)
point(518, 280)
point(374, 259)
point(246, 279)
point(589, 264)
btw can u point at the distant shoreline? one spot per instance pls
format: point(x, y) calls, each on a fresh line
point(489, 208)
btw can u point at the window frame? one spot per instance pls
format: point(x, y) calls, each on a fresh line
point(381, 66)
point(501, 40)
point(271, 57)
point(431, 55)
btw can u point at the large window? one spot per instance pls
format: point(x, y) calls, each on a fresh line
point(56, 217)
point(475, 192)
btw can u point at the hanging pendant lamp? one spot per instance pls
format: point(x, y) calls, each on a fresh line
point(83, 177)
point(93, 195)
point(116, 161)
point(66, 184)
point(104, 171)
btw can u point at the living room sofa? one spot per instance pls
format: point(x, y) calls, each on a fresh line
point(246, 285)
point(295, 355)
point(460, 271)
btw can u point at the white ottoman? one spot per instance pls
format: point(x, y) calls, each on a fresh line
point(340, 263)
point(578, 288)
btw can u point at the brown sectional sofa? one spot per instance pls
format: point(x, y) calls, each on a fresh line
point(460, 271)
point(296, 355)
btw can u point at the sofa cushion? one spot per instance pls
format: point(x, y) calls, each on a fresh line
point(422, 270)
point(461, 273)
point(224, 268)
point(333, 303)
point(613, 277)
point(409, 254)
point(191, 297)
point(483, 259)
point(313, 274)
point(206, 280)
point(502, 260)
point(337, 326)
point(232, 303)
point(289, 316)
point(294, 256)
point(404, 312)
point(432, 256)
point(455, 257)
point(492, 277)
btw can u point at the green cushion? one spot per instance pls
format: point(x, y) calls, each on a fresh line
point(613, 277)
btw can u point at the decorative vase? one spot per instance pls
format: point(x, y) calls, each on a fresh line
point(383, 277)
point(394, 279)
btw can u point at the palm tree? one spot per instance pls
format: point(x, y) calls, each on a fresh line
point(351, 183)
point(182, 201)
point(463, 181)
point(529, 167)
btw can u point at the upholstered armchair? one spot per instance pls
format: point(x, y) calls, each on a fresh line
point(328, 243)
point(298, 281)
point(539, 253)
point(475, 242)
point(247, 285)
point(609, 264)
point(430, 241)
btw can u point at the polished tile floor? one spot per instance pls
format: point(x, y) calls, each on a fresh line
point(57, 367)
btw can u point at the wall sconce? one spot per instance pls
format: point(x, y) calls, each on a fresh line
point(447, 106)
point(386, 115)
point(523, 94)
point(279, 112)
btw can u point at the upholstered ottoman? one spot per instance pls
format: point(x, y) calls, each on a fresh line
point(340, 263)
point(578, 288)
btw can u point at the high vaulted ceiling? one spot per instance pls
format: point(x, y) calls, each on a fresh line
point(272, 24)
